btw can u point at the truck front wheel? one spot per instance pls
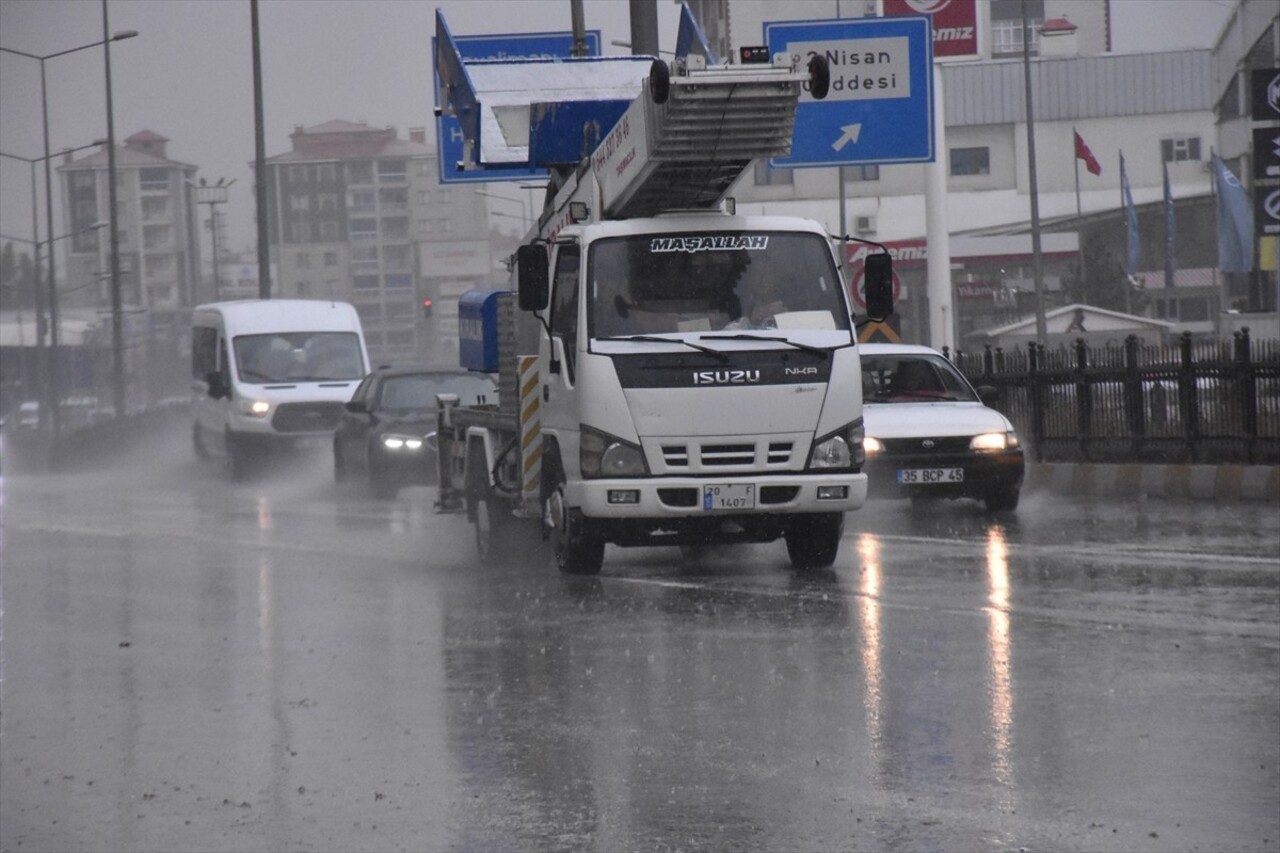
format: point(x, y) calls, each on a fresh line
point(813, 540)
point(579, 550)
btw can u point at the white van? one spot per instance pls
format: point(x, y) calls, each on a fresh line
point(272, 375)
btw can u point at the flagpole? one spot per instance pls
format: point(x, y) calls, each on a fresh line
point(1079, 223)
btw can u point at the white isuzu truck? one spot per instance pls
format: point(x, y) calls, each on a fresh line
point(670, 372)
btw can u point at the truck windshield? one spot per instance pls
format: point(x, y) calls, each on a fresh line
point(697, 282)
point(298, 357)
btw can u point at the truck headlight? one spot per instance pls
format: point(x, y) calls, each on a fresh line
point(603, 455)
point(994, 442)
point(391, 441)
point(872, 445)
point(254, 408)
point(840, 449)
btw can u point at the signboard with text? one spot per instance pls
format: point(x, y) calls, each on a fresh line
point(449, 136)
point(955, 24)
point(880, 105)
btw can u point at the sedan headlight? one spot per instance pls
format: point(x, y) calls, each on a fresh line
point(994, 442)
point(604, 455)
point(840, 449)
point(254, 408)
point(411, 443)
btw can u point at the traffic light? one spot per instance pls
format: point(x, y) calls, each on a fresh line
point(426, 308)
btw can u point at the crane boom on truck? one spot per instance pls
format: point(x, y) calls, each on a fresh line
point(670, 372)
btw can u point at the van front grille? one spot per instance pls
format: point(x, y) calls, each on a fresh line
point(307, 417)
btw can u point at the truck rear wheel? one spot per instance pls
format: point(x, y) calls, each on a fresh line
point(813, 540)
point(578, 548)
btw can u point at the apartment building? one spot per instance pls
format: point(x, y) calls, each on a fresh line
point(156, 224)
point(357, 214)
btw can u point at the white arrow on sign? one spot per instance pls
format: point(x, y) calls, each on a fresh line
point(851, 132)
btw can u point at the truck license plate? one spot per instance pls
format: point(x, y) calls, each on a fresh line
point(729, 497)
point(917, 476)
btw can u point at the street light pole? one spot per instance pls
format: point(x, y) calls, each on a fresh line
point(117, 300)
point(48, 189)
point(214, 195)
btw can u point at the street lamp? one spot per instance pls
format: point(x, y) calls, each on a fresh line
point(39, 300)
point(525, 216)
point(48, 173)
point(214, 195)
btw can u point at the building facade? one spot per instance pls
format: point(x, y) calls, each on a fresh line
point(357, 214)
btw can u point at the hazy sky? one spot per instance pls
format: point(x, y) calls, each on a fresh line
point(189, 75)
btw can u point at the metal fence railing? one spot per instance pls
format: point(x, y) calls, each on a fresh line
point(1211, 402)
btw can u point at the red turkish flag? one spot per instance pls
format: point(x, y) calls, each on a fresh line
point(1083, 153)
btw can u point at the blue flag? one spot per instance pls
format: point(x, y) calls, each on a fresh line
point(1171, 231)
point(1235, 221)
point(1131, 220)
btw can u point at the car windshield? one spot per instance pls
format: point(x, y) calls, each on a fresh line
point(908, 378)
point(705, 282)
point(299, 357)
point(417, 391)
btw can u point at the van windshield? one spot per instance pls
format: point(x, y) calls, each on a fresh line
point(298, 357)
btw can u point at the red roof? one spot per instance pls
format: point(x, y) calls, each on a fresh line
point(1058, 25)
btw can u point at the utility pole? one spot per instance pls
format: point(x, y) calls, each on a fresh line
point(260, 164)
point(214, 195)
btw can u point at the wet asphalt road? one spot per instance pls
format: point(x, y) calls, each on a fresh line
point(189, 664)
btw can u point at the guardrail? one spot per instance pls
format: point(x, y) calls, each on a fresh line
point(1210, 402)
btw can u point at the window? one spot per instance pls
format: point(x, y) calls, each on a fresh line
point(154, 179)
point(970, 161)
point(330, 230)
point(298, 174)
point(852, 174)
point(327, 201)
point(364, 254)
point(767, 176)
point(204, 352)
point(326, 172)
point(391, 170)
point(396, 257)
point(330, 259)
point(564, 303)
point(393, 198)
point(299, 203)
point(362, 201)
point(399, 281)
point(157, 265)
point(155, 207)
point(156, 237)
point(82, 180)
point(365, 282)
point(395, 227)
point(1177, 150)
point(360, 172)
point(304, 261)
point(300, 232)
point(1006, 25)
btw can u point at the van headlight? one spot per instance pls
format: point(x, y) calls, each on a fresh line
point(603, 455)
point(994, 442)
point(392, 441)
point(254, 408)
point(840, 449)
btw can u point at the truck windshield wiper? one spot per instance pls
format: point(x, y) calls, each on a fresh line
point(657, 340)
point(806, 347)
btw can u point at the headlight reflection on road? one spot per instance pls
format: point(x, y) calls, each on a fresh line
point(1000, 652)
point(869, 589)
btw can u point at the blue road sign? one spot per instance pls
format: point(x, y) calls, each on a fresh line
point(449, 137)
point(880, 106)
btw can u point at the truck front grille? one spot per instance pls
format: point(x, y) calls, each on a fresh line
point(686, 457)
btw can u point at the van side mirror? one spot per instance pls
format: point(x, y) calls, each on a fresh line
point(532, 277)
point(217, 388)
point(877, 284)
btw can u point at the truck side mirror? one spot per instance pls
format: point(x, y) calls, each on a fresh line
point(877, 284)
point(532, 276)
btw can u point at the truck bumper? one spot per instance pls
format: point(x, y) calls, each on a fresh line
point(685, 497)
point(675, 510)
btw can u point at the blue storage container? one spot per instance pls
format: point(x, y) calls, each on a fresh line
point(478, 329)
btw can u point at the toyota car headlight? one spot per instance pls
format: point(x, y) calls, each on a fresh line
point(994, 442)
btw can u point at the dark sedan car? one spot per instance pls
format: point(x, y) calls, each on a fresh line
point(384, 435)
point(930, 434)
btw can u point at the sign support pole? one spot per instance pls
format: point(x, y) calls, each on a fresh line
point(938, 264)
